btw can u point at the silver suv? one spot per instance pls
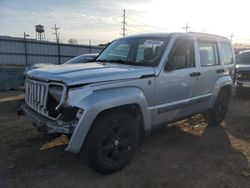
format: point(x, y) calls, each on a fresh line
point(136, 83)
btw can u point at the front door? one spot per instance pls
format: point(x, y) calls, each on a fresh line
point(176, 86)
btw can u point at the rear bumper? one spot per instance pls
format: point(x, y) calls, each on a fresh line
point(44, 124)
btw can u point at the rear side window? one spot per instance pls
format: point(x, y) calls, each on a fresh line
point(227, 53)
point(208, 54)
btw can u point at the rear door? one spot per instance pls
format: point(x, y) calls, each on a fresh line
point(211, 68)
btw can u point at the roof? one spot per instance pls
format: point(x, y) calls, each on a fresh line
point(194, 34)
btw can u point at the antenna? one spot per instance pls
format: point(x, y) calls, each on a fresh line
point(124, 24)
point(56, 33)
point(186, 27)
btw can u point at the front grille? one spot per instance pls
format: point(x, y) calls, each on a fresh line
point(245, 76)
point(38, 97)
point(36, 94)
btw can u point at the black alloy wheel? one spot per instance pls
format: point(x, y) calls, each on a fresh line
point(112, 141)
point(218, 113)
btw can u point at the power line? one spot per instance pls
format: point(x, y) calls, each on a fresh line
point(147, 25)
point(137, 30)
point(139, 24)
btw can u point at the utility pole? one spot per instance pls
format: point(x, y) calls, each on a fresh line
point(231, 37)
point(56, 33)
point(186, 27)
point(124, 24)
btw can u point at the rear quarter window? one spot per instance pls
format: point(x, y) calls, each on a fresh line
point(227, 53)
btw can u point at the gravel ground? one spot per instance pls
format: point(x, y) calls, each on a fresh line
point(184, 154)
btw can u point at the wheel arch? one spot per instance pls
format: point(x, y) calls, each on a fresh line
point(115, 99)
point(133, 109)
point(224, 83)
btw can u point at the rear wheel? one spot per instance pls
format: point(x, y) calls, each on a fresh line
point(217, 114)
point(112, 142)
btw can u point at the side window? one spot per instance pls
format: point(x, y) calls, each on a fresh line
point(227, 53)
point(183, 52)
point(208, 54)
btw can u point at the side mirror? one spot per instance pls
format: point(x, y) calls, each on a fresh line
point(176, 62)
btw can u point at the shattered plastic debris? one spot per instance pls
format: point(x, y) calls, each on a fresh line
point(59, 141)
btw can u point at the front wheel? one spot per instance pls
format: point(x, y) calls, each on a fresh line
point(112, 142)
point(217, 114)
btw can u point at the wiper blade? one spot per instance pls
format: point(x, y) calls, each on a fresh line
point(116, 61)
point(122, 61)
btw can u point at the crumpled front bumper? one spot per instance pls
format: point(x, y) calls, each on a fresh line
point(44, 124)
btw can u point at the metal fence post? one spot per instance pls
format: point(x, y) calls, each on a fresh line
point(59, 52)
point(25, 48)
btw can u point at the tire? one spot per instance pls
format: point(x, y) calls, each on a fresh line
point(217, 114)
point(112, 142)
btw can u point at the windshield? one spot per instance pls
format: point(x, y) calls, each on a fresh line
point(243, 58)
point(142, 51)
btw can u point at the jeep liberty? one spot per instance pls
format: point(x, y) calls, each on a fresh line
point(137, 83)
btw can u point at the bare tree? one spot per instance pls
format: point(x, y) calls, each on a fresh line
point(72, 41)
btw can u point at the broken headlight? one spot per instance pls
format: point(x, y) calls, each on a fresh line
point(56, 91)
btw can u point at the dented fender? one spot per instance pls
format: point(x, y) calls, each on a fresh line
point(93, 103)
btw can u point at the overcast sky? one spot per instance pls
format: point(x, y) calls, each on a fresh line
point(100, 20)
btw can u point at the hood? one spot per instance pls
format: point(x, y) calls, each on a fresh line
point(73, 74)
point(39, 65)
point(242, 67)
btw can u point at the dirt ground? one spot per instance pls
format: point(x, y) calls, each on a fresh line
point(186, 154)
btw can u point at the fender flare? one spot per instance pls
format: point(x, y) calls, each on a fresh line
point(101, 100)
point(220, 83)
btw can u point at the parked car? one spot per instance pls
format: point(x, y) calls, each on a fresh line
point(242, 73)
point(84, 58)
point(137, 83)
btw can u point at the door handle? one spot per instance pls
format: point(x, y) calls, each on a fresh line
point(195, 74)
point(220, 71)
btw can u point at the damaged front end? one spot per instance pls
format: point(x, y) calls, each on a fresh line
point(45, 103)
